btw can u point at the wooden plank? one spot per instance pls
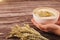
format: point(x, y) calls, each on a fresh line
point(12, 13)
point(29, 0)
point(26, 8)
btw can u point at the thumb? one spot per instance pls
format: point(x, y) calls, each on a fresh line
point(38, 25)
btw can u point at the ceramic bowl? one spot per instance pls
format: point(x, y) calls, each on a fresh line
point(44, 20)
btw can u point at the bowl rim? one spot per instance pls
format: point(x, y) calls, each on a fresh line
point(56, 15)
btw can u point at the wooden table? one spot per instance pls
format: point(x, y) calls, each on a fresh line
point(12, 13)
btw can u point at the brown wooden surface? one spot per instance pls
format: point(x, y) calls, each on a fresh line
point(31, 0)
point(12, 13)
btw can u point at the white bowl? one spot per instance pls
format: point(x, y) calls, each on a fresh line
point(44, 20)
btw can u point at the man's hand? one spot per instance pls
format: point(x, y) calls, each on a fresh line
point(48, 27)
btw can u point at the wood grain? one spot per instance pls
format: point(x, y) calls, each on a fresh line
point(28, 0)
point(11, 11)
point(16, 12)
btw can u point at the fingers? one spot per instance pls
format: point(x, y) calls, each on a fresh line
point(36, 24)
point(48, 27)
point(58, 22)
point(55, 29)
point(57, 32)
point(52, 27)
point(40, 26)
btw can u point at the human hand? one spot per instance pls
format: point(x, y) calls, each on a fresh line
point(48, 27)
